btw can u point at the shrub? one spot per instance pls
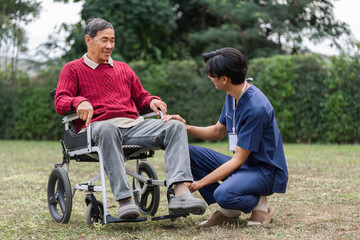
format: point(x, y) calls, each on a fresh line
point(315, 99)
point(34, 114)
point(274, 77)
point(342, 108)
point(7, 99)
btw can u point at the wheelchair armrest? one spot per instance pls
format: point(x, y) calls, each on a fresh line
point(70, 116)
point(148, 112)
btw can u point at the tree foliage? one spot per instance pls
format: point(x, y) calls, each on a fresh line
point(142, 28)
point(259, 28)
point(174, 29)
point(14, 14)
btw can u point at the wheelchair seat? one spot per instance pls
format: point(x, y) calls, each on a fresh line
point(75, 141)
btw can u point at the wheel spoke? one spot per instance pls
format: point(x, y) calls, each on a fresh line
point(144, 200)
point(96, 218)
point(62, 204)
point(60, 186)
point(61, 196)
point(52, 200)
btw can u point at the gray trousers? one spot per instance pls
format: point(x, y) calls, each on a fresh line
point(171, 136)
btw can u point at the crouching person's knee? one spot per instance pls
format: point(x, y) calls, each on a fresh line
point(221, 197)
point(224, 198)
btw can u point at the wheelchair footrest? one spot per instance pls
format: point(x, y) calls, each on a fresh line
point(111, 219)
point(170, 216)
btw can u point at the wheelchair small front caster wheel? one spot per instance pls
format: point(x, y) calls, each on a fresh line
point(94, 214)
point(148, 202)
point(59, 195)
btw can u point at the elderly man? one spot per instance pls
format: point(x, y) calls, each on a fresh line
point(108, 95)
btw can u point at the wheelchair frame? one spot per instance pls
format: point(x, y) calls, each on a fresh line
point(79, 146)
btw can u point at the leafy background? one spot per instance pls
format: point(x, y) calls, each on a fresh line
point(316, 98)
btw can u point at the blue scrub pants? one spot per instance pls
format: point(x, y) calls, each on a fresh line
point(241, 190)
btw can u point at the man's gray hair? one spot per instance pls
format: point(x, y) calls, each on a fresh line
point(94, 25)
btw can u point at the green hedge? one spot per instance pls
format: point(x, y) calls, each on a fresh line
point(316, 99)
point(28, 112)
point(7, 98)
point(35, 116)
point(341, 111)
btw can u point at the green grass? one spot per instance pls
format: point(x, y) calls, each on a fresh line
point(322, 199)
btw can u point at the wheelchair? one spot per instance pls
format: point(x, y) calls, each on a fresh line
point(79, 147)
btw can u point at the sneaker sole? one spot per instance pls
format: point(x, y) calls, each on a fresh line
point(129, 214)
point(198, 209)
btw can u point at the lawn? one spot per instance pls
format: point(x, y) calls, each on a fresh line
point(322, 200)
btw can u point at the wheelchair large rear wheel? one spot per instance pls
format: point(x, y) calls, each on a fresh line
point(148, 202)
point(59, 195)
point(94, 214)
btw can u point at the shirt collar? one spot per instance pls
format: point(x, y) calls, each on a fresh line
point(94, 65)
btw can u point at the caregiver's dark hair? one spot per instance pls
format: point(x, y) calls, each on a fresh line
point(94, 25)
point(228, 62)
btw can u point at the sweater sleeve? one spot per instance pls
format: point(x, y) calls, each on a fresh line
point(140, 96)
point(67, 88)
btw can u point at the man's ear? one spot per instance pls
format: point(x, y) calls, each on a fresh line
point(87, 40)
point(225, 80)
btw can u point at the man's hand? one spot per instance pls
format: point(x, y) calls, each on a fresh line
point(155, 104)
point(85, 112)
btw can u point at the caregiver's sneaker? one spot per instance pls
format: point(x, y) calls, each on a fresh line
point(187, 203)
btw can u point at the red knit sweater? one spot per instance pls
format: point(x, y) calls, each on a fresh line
point(112, 91)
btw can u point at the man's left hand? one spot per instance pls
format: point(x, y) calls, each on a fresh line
point(155, 104)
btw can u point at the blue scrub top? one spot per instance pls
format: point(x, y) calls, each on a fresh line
point(257, 131)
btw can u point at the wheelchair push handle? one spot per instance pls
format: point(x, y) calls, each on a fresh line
point(148, 112)
point(161, 113)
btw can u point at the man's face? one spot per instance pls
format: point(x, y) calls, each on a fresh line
point(101, 46)
point(216, 81)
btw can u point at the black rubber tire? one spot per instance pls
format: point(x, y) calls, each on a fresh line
point(148, 202)
point(59, 195)
point(92, 217)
